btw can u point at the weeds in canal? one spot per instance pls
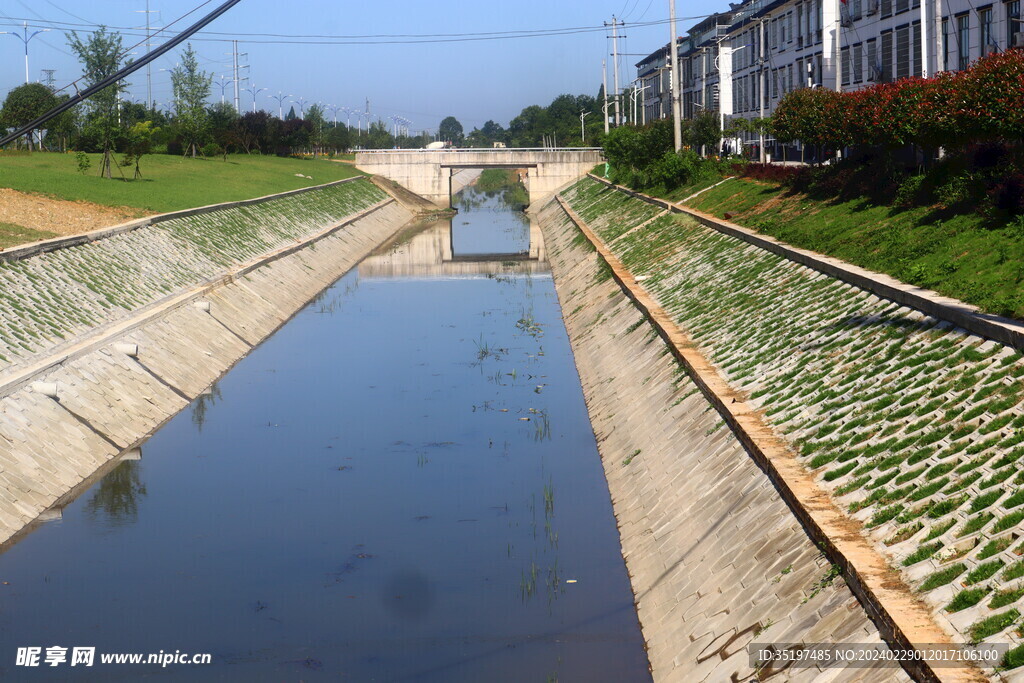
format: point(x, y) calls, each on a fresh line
point(528, 582)
point(541, 425)
point(527, 324)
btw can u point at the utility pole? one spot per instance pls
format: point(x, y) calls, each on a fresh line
point(677, 129)
point(761, 92)
point(149, 46)
point(924, 41)
point(234, 54)
point(48, 80)
point(614, 65)
point(604, 78)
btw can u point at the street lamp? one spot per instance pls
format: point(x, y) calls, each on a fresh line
point(224, 83)
point(583, 131)
point(25, 38)
point(302, 106)
point(280, 103)
point(255, 91)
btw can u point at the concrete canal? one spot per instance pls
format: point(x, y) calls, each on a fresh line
point(401, 484)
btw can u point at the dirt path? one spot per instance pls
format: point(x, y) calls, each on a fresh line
point(59, 216)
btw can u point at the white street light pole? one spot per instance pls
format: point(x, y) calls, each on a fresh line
point(677, 130)
point(255, 91)
point(583, 131)
point(224, 83)
point(302, 107)
point(280, 102)
point(25, 38)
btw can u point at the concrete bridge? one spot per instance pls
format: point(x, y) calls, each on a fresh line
point(428, 172)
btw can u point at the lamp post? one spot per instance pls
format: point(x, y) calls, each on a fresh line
point(583, 131)
point(254, 91)
point(302, 107)
point(25, 37)
point(280, 103)
point(223, 83)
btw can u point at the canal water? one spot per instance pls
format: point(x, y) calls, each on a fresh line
point(401, 484)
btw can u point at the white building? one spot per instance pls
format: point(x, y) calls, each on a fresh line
point(740, 63)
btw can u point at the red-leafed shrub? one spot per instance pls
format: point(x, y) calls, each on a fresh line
point(982, 103)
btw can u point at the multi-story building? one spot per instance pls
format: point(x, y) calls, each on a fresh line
point(740, 64)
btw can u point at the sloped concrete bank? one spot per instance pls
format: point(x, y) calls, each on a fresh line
point(904, 428)
point(716, 559)
point(103, 341)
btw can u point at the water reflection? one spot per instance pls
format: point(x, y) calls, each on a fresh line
point(115, 500)
point(461, 247)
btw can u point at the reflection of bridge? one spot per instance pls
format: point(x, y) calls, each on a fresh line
point(429, 254)
point(428, 172)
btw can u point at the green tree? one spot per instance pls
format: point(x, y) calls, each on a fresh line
point(339, 137)
point(138, 143)
point(191, 89)
point(317, 128)
point(222, 117)
point(26, 103)
point(450, 130)
point(100, 55)
point(706, 130)
point(378, 137)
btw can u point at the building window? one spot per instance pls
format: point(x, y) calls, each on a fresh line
point(885, 57)
point(844, 60)
point(858, 67)
point(902, 52)
point(872, 61)
point(985, 28)
point(945, 43)
point(886, 8)
point(1012, 27)
point(902, 6)
point(963, 41)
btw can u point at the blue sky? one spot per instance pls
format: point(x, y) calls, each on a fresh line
point(473, 80)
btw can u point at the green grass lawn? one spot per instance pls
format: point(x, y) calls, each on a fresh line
point(958, 254)
point(169, 183)
point(11, 234)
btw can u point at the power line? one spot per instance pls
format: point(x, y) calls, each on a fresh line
point(365, 39)
point(127, 70)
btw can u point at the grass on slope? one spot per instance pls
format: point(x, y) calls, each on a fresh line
point(168, 183)
point(11, 234)
point(959, 255)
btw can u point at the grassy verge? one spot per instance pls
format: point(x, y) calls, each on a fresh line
point(957, 254)
point(169, 183)
point(11, 234)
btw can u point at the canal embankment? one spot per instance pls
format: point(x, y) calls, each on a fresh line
point(908, 424)
point(105, 336)
point(716, 558)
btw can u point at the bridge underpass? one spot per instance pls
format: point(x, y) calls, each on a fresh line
point(432, 254)
point(429, 172)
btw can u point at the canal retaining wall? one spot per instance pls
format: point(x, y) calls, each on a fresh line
point(104, 338)
point(716, 558)
point(906, 428)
